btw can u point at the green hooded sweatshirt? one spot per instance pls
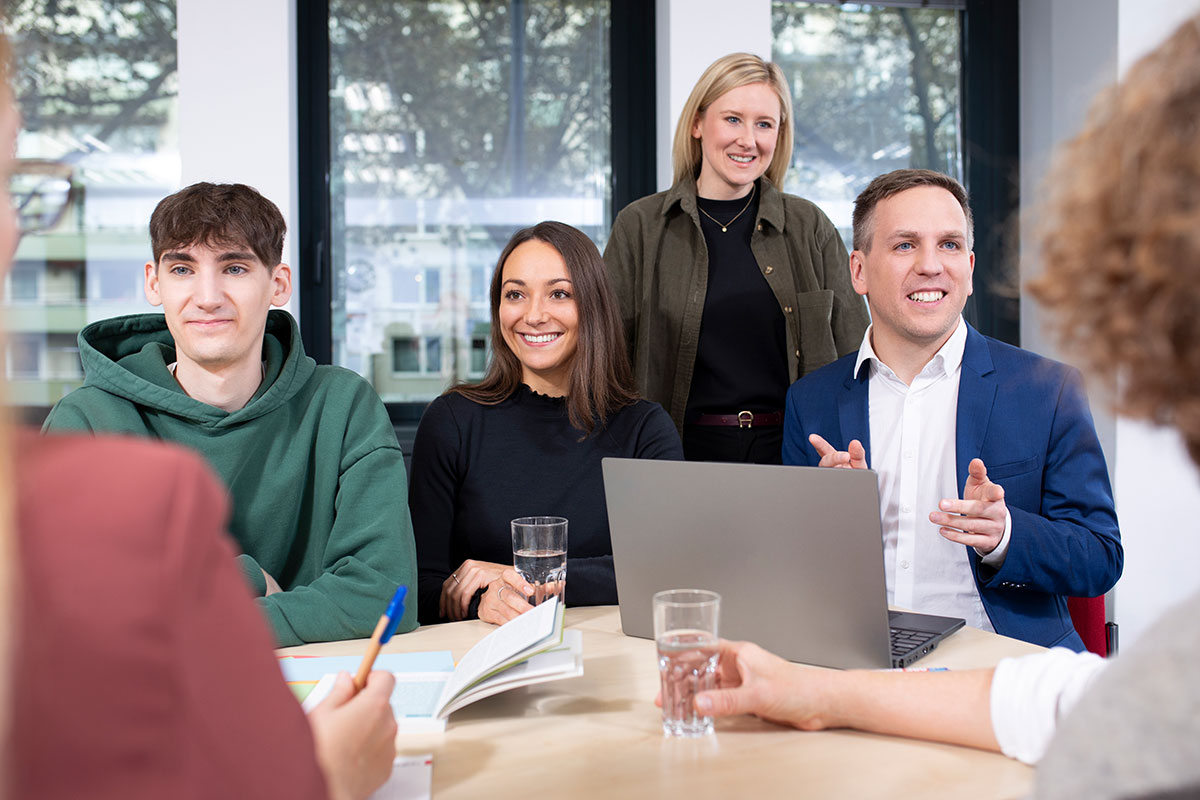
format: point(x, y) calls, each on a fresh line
point(317, 477)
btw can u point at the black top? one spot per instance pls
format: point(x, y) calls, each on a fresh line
point(741, 356)
point(475, 468)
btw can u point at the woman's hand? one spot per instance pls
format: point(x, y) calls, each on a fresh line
point(507, 597)
point(751, 680)
point(460, 587)
point(355, 736)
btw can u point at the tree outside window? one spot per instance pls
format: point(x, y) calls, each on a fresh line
point(97, 84)
point(874, 89)
point(453, 124)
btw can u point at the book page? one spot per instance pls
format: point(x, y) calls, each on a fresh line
point(513, 641)
point(304, 673)
point(564, 661)
point(414, 699)
point(313, 668)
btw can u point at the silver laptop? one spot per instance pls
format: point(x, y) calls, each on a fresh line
point(795, 552)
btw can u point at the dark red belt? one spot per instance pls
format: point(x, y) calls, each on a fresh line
point(742, 419)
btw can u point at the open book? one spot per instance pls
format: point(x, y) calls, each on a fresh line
point(532, 648)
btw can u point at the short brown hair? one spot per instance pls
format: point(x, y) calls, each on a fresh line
point(898, 181)
point(1119, 238)
point(224, 214)
point(723, 75)
point(601, 378)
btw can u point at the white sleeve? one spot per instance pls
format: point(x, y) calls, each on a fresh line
point(995, 559)
point(1030, 694)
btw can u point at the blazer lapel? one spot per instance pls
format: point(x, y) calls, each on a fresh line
point(853, 411)
point(976, 395)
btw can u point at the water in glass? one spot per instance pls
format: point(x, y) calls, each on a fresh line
point(545, 570)
point(687, 664)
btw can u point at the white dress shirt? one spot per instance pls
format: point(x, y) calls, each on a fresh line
point(913, 450)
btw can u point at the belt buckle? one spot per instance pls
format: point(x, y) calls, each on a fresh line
point(745, 419)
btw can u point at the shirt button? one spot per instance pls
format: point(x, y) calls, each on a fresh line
point(759, 226)
point(903, 565)
point(768, 270)
point(908, 453)
point(797, 354)
point(787, 309)
point(906, 508)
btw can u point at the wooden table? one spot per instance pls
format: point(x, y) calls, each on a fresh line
point(601, 736)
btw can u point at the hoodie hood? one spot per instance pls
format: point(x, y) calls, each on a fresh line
point(128, 357)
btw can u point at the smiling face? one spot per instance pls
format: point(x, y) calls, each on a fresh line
point(737, 132)
point(539, 317)
point(917, 273)
point(215, 299)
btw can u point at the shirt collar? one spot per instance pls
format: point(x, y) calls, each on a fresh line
point(949, 355)
point(951, 352)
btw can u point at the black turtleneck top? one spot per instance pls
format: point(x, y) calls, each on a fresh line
point(475, 468)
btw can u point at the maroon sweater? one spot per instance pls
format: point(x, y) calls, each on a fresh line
point(141, 666)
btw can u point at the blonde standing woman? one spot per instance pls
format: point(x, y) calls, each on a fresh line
point(730, 290)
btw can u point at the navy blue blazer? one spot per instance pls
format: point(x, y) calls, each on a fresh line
point(1027, 417)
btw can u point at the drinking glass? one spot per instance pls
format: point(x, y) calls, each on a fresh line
point(540, 555)
point(685, 630)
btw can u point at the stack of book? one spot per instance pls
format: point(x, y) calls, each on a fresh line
point(530, 649)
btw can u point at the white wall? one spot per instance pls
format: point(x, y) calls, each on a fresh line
point(237, 99)
point(691, 35)
point(1068, 52)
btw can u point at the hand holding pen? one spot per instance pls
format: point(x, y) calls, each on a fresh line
point(383, 632)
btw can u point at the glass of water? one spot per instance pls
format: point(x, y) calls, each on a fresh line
point(540, 555)
point(685, 630)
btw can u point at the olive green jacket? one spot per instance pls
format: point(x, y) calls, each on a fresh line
point(658, 265)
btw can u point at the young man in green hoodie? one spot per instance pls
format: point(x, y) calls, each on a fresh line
point(308, 452)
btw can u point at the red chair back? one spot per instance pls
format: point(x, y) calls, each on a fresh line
point(1087, 615)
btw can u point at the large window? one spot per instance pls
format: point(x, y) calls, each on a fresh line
point(451, 125)
point(911, 83)
point(96, 83)
point(875, 89)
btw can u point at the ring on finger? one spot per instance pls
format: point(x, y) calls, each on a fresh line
point(501, 591)
point(455, 576)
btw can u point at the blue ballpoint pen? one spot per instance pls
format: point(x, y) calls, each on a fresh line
point(383, 632)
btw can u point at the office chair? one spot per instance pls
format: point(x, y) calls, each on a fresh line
point(1087, 615)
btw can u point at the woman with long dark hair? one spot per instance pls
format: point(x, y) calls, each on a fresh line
point(527, 439)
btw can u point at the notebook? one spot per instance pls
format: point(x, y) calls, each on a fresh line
point(795, 552)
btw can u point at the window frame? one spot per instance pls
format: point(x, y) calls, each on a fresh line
point(632, 65)
point(989, 34)
point(20, 270)
point(991, 75)
point(990, 135)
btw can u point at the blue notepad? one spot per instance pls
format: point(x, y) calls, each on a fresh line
point(312, 669)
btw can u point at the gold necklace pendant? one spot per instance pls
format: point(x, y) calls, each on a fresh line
point(725, 225)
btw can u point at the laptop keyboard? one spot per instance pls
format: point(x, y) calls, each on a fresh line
point(905, 641)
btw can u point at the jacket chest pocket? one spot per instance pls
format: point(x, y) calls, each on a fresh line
point(815, 313)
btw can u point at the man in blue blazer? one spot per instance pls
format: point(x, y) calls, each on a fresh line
point(994, 493)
